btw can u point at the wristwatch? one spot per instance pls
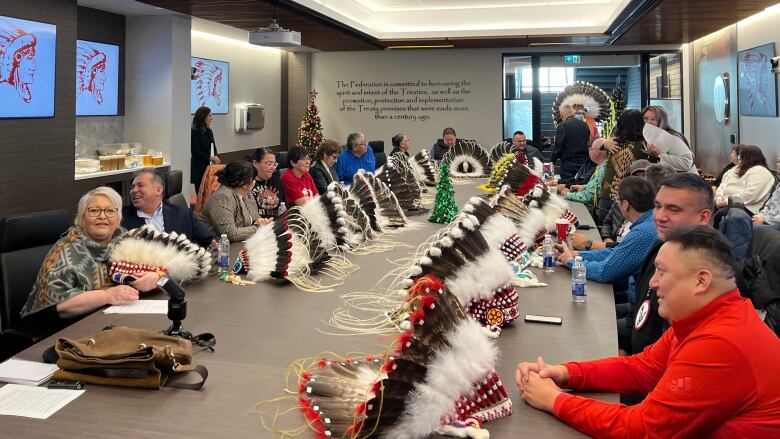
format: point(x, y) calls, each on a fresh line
point(588, 244)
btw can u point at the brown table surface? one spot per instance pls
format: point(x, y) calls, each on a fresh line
point(260, 329)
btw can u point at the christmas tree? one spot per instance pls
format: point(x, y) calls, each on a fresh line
point(618, 99)
point(310, 131)
point(444, 207)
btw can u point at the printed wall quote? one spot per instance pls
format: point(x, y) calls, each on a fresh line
point(413, 101)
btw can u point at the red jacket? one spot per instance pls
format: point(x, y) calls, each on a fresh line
point(715, 373)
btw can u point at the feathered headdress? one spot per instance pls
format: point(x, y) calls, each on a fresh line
point(145, 249)
point(15, 44)
point(425, 170)
point(467, 159)
point(388, 202)
point(208, 80)
point(398, 176)
point(89, 61)
point(358, 222)
point(443, 372)
point(328, 218)
point(585, 96)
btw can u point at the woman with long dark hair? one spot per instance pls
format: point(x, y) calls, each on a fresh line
point(750, 180)
point(625, 147)
point(202, 145)
point(232, 210)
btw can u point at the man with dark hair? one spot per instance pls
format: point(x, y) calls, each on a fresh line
point(146, 194)
point(712, 374)
point(357, 155)
point(624, 260)
point(683, 198)
point(447, 141)
point(519, 141)
point(571, 142)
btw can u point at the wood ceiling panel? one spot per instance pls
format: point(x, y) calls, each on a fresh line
point(683, 21)
point(251, 14)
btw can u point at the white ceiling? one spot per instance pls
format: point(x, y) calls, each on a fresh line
point(400, 19)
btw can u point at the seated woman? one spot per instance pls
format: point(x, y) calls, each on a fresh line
point(733, 158)
point(625, 147)
point(298, 185)
point(323, 171)
point(73, 279)
point(401, 144)
point(750, 180)
point(268, 191)
point(232, 210)
point(678, 154)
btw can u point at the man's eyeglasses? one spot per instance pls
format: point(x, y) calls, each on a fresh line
point(271, 164)
point(94, 212)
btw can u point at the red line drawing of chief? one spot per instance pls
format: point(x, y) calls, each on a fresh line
point(208, 80)
point(17, 58)
point(90, 71)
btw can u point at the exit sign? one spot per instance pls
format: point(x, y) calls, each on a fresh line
point(571, 59)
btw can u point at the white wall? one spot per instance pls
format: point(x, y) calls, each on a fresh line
point(761, 131)
point(255, 77)
point(481, 68)
point(154, 104)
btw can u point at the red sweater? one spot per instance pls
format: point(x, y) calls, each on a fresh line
point(295, 187)
point(715, 373)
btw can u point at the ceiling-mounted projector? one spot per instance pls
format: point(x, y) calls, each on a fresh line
point(274, 35)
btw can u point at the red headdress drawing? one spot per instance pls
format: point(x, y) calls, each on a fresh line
point(17, 58)
point(90, 71)
point(208, 80)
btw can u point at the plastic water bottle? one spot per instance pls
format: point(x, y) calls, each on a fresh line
point(223, 257)
point(579, 283)
point(282, 208)
point(548, 255)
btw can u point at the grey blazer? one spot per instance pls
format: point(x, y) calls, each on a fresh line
point(232, 214)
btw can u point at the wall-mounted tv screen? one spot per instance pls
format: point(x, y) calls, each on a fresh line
point(97, 79)
point(210, 85)
point(27, 63)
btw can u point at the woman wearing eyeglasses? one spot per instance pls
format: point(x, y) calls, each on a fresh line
point(268, 190)
point(323, 171)
point(73, 279)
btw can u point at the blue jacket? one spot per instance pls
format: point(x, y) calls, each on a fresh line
point(625, 259)
point(175, 219)
point(349, 163)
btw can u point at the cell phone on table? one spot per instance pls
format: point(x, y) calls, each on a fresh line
point(64, 384)
point(550, 320)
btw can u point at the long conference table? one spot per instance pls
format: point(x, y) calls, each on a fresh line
point(261, 329)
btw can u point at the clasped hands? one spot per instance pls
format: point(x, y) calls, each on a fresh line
point(539, 383)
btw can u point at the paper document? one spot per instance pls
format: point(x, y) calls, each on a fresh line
point(34, 402)
point(30, 373)
point(140, 307)
point(668, 143)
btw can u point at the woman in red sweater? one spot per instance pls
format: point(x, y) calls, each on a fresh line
point(712, 374)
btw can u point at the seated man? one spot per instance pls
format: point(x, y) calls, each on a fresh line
point(712, 374)
point(356, 156)
point(521, 143)
point(447, 141)
point(624, 260)
point(146, 194)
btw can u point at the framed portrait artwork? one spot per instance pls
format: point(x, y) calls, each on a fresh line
point(756, 83)
point(210, 86)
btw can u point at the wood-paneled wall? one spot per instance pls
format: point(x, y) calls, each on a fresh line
point(36, 165)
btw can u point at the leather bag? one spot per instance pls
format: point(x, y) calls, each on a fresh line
point(128, 357)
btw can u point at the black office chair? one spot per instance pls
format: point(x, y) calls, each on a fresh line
point(24, 242)
point(173, 183)
point(281, 158)
point(378, 147)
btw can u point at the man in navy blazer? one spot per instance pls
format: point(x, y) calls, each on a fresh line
point(148, 208)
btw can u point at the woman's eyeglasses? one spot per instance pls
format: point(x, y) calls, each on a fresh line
point(109, 212)
point(271, 164)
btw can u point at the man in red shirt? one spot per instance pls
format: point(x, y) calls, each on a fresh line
point(713, 373)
